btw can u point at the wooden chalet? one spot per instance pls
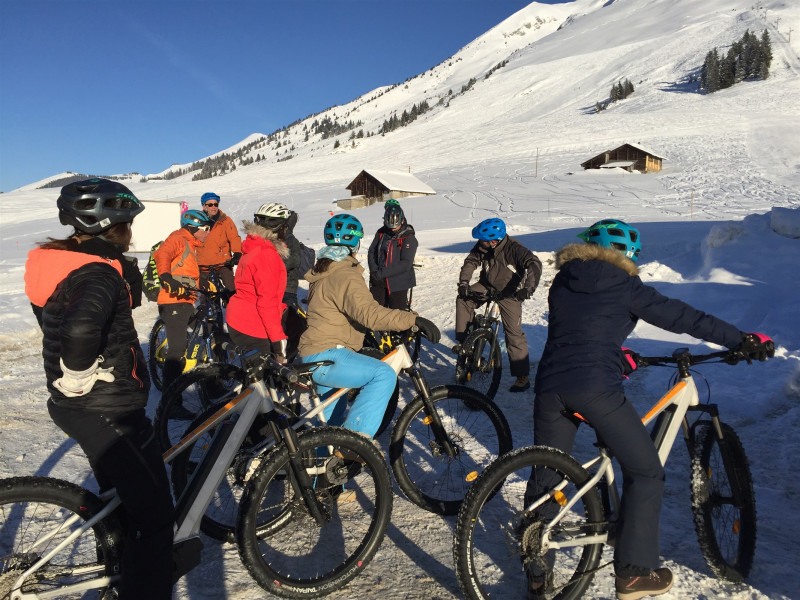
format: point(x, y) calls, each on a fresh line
point(383, 185)
point(630, 157)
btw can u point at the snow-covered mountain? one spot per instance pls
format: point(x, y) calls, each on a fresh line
point(720, 229)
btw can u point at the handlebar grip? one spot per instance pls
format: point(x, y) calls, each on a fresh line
point(282, 371)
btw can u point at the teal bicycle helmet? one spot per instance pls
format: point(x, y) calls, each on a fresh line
point(612, 233)
point(489, 230)
point(343, 230)
point(195, 218)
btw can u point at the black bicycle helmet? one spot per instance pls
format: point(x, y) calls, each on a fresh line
point(393, 216)
point(95, 205)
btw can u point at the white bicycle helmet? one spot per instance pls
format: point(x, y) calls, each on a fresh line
point(272, 215)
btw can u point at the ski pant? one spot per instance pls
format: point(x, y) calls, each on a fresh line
point(353, 370)
point(123, 452)
point(397, 299)
point(619, 427)
point(511, 317)
point(176, 319)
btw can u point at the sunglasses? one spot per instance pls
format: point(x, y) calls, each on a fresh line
point(195, 228)
point(212, 204)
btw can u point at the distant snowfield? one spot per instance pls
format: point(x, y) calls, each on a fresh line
point(720, 227)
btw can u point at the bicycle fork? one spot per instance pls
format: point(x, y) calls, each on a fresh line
point(432, 418)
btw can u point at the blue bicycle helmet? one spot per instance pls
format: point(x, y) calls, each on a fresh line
point(209, 196)
point(490, 229)
point(94, 205)
point(612, 233)
point(195, 218)
point(343, 230)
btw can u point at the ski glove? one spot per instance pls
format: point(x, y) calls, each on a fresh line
point(523, 294)
point(463, 290)
point(207, 286)
point(78, 383)
point(237, 256)
point(172, 285)
point(428, 329)
point(279, 350)
point(757, 346)
point(630, 361)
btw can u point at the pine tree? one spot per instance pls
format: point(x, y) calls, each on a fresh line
point(628, 88)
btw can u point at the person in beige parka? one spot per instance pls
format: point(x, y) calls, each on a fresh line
point(341, 310)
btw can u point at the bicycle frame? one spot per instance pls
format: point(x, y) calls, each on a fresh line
point(252, 401)
point(673, 407)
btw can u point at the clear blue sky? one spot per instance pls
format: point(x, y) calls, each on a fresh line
point(114, 86)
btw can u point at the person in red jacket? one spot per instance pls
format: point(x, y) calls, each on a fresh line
point(254, 312)
point(223, 246)
point(176, 264)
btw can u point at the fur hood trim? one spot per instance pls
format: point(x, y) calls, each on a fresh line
point(251, 228)
point(594, 252)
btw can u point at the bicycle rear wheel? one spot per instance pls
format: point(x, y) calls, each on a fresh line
point(157, 351)
point(192, 393)
point(35, 515)
point(480, 365)
point(474, 425)
point(285, 550)
point(723, 502)
point(496, 540)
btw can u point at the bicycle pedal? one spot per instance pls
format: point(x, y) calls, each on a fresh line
point(457, 349)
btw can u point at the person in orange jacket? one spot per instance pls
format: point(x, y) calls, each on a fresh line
point(176, 262)
point(223, 244)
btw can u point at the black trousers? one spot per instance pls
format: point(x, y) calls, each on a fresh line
point(397, 299)
point(123, 452)
point(176, 319)
point(619, 426)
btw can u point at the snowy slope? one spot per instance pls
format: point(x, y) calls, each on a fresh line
point(511, 147)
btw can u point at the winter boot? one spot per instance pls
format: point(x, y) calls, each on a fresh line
point(520, 385)
point(656, 583)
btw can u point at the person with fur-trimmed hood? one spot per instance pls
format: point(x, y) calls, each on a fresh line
point(595, 301)
point(254, 312)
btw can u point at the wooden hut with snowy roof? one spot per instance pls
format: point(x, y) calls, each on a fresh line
point(383, 185)
point(631, 157)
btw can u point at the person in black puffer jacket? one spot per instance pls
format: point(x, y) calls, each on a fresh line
point(82, 290)
point(391, 259)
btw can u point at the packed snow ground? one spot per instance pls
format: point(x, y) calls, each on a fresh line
point(719, 224)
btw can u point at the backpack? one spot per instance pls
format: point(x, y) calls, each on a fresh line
point(307, 258)
point(150, 282)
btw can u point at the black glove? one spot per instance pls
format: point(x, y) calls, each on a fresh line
point(523, 294)
point(207, 286)
point(279, 350)
point(235, 258)
point(172, 285)
point(757, 346)
point(463, 290)
point(630, 361)
point(428, 329)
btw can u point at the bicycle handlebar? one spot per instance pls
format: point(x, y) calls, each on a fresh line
point(485, 296)
point(683, 356)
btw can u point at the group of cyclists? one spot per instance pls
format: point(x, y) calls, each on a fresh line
point(83, 289)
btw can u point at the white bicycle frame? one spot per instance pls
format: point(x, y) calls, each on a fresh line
point(251, 401)
point(682, 395)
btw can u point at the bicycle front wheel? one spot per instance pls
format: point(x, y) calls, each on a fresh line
point(157, 352)
point(497, 542)
point(192, 393)
point(723, 502)
point(36, 515)
point(476, 431)
point(481, 366)
point(283, 547)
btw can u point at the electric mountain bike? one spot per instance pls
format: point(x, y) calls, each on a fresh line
point(562, 531)
point(205, 331)
point(438, 444)
point(312, 515)
point(480, 363)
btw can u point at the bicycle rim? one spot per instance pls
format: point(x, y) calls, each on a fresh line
point(286, 551)
point(726, 532)
point(425, 472)
point(497, 541)
point(157, 350)
point(34, 519)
